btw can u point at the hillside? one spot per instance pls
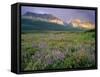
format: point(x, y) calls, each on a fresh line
point(43, 17)
point(28, 24)
point(82, 24)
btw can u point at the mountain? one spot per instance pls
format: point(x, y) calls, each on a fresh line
point(29, 25)
point(43, 17)
point(34, 21)
point(82, 24)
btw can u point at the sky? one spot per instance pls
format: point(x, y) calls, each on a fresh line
point(65, 14)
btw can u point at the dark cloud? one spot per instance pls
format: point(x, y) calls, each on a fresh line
point(64, 14)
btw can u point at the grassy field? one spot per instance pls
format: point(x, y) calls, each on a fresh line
point(57, 49)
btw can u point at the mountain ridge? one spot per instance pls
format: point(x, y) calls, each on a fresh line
point(82, 24)
point(51, 22)
point(43, 17)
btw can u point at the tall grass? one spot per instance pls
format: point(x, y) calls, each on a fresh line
point(55, 50)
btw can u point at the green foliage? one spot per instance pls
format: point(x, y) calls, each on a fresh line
point(57, 49)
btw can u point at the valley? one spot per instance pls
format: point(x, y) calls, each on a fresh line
point(47, 42)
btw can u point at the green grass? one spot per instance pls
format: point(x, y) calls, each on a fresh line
point(57, 49)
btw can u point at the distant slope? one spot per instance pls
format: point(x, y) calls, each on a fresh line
point(92, 30)
point(82, 24)
point(43, 17)
point(28, 25)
